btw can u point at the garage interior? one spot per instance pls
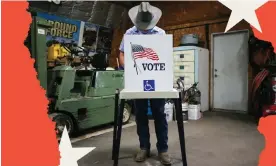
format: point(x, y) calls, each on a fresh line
point(226, 133)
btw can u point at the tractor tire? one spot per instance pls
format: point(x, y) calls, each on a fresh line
point(61, 121)
point(127, 113)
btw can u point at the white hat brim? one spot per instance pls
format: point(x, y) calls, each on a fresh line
point(157, 13)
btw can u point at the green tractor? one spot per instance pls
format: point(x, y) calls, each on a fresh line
point(78, 98)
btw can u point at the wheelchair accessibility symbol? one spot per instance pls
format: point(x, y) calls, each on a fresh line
point(149, 85)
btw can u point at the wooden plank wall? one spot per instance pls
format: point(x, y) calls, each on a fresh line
point(117, 38)
point(184, 17)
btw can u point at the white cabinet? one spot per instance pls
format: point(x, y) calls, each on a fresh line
point(191, 64)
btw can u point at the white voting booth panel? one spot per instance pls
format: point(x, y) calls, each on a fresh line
point(148, 67)
point(148, 74)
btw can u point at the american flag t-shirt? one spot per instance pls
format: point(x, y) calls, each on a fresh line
point(143, 52)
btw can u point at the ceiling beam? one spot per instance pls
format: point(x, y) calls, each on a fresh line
point(124, 4)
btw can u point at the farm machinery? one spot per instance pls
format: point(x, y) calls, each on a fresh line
point(81, 94)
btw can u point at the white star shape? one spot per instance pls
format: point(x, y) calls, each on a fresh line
point(243, 9)
point(69, 155)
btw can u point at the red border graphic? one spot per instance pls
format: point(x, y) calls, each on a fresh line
point(266, 125)
point(24, 105)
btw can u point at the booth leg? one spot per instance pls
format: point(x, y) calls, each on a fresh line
point(116, 106)
point(119, 132)
point(180, 125)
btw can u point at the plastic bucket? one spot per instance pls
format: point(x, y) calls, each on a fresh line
point(185, 106)
point(185, 113)
point(194, 112)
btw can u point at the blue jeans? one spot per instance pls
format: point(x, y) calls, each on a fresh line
point(161, 125)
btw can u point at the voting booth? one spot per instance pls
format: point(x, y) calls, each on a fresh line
point(148, 74)
point(148, 67)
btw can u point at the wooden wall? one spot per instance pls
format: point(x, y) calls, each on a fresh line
point(184, 17)
point(117, 38)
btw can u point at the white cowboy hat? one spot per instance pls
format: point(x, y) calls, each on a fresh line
point(145, 16)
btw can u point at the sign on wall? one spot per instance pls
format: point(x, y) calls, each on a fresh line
point(148, 62)
point(63, 29)
point(88, 35)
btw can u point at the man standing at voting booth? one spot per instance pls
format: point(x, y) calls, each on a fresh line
point(145, 17)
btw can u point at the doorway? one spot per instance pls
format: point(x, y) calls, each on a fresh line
point(230, 71)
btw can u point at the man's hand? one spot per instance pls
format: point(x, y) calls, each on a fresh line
point(121, 59)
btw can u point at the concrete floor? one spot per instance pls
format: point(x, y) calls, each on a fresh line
point(218, 139)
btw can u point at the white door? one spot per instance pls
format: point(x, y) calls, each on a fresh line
point(230, 71)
